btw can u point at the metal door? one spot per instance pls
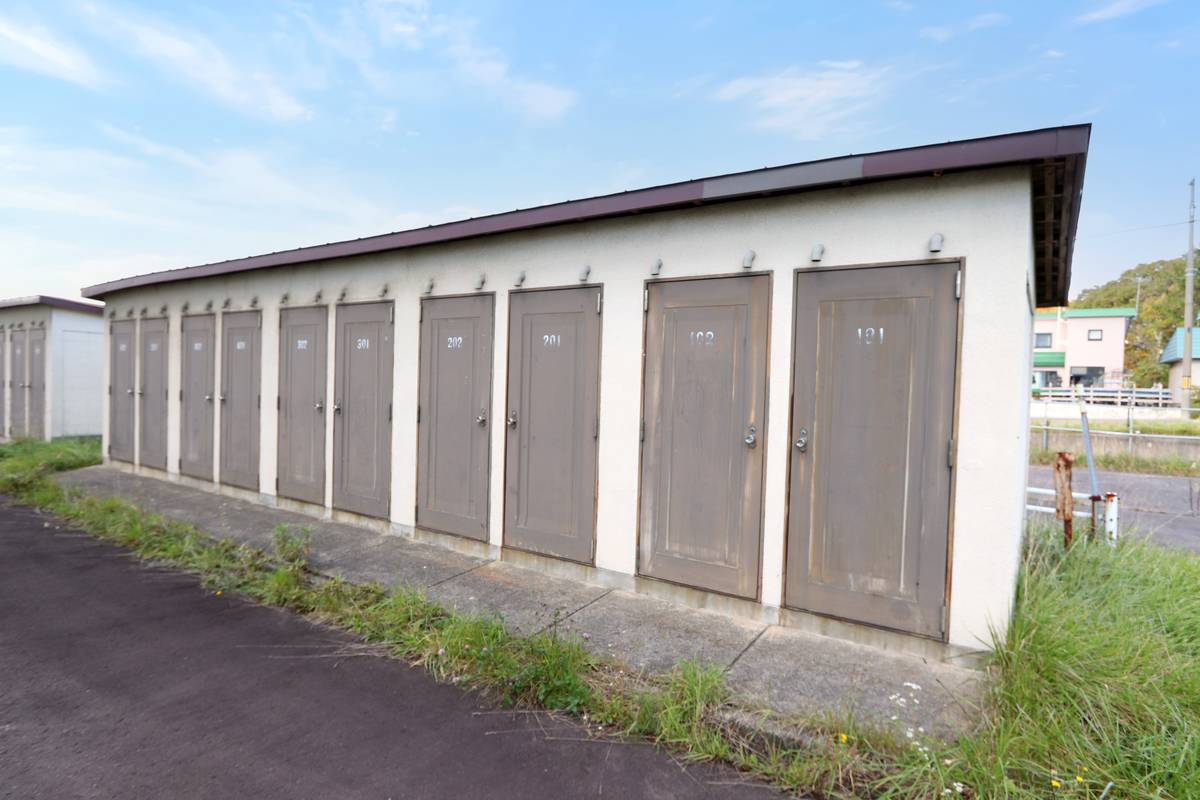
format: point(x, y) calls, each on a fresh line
point(302, 369)
point(704, 407)
point(152, 394)
point(241, 361)
point(198, 396)
point(453, 417)
point(37, 383)
point(553, 421)
point(362, 408)
point(120, 391)
point(873, 402)
point(18, 382)
point(3, 383)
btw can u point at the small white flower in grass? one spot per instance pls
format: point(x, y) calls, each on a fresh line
point(947, 761)
point(909, 733)
point(958, 787)
point(441, 652)
point(916, 687)
point(945, 792)
point(586, 635)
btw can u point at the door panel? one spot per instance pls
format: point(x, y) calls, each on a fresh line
point(553, 407)
point(4, 391)
point(199, 395)
point(302, 370)
point(362, 422)
point(241, 362)
point(152, 394)
point(456, 397)
point(121, 390)
point(37, 383)
point(705, 410)
point(20, 392)
point(874, 356)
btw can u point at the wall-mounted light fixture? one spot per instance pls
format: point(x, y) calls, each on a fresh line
point(817, 252)
point(254, 301)
point(183, 309)
point(144, 311)
point(208, 306)
point(429, 287)
point(384, 291)
point(656, 267)
point(129, 313)
point(587, 270)
point(342, 293)
point(283, 299)
point(520, 280)
point(936, 242)
point(748, 259)
point(228, 303)
point(317, 297)
point(482, 280)
point(163, 309)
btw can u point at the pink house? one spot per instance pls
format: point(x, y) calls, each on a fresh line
point(1080, 346)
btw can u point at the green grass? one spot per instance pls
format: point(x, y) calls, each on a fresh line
point(1121, 462)
point(1097, 680)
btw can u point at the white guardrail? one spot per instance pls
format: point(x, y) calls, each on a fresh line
point(1111, 510)
point(1123, 396)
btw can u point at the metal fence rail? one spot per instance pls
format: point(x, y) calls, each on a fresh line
point(1109, 499)
point(1122, 395)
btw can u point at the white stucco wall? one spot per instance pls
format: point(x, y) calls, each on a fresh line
point(985, 218)
point(74, 373)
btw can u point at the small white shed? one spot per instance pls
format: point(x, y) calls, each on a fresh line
point(51, 367)
point(796, 393)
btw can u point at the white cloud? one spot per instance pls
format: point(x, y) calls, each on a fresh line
point(411, 25)
point(944, 33)
point(35, 49)
point(1054, 54)
point(198, 60)
point(810, 103)
point(1115, 10)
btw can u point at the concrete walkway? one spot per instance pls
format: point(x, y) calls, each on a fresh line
point(792, 673)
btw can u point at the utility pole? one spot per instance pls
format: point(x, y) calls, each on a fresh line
point(1137, 301)
point(1189, 280)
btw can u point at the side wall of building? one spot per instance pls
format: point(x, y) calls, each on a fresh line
point(985, 218)
point(74, 373)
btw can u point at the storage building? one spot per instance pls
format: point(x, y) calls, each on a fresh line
point(51, 367)
point(797, 393)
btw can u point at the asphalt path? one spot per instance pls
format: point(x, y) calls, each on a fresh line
point(122, 681)
point(1163, 508)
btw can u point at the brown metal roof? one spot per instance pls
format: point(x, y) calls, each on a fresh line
point(54, 302)
point(1058, 155)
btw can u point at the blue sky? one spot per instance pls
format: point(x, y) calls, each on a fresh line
point(142, 136)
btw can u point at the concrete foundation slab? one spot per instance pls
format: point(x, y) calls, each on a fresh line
point(653, 636)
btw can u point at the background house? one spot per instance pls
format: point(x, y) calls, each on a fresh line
point(1172, 355)
point(1080, 346)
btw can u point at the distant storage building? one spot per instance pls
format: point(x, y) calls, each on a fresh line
point(797, 393)
point(51, 367)
point(1172, 356)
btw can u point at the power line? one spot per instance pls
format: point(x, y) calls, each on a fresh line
point(1131, 230)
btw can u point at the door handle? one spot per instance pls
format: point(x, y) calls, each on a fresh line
point(208, 398)
point(512, 418)
point(140, 392)
point(751, 439)
point(221, 398)
point(337, 408)
point(482, 418)
point(319, 407)
point(127, 391)
point(802, 440)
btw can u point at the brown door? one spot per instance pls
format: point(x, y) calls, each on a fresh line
point(454, 414)
point(120, 390)
point(362, 408)
point(152, 394)
point(873, 402)
point(302, 368)
point(705, 409)
point(20, 390)
point(240, 399)
point(199, 394)
point(37, 383)
point(553, 421)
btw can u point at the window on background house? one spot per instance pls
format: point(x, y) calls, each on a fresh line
point(1095, 335)
point(1087, 376)
point(1042, 340)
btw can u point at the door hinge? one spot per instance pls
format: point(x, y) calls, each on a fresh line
point(258, 401)
point(642, 433)
point(278, 402)
point(950, 452)
point(418, 415)
point(943, 619)
point(958, 285)
point(179, 464)
point(276, 484)
point(109, 388)
point(599, 303)
point(645, 300)
point(392, 313)
point(596, 428)
point(109, 447)
point(389, 412)
point(180, 393)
